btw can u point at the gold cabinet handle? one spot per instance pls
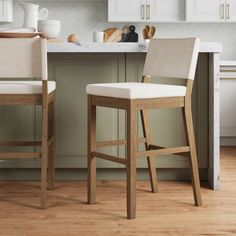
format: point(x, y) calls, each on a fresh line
point(148, 11)
point(227, 10)
point(143, 12)
point(222, 11)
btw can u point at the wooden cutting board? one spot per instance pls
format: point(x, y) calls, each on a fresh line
point(113, 34)
point(20, 35)
point(109, 32)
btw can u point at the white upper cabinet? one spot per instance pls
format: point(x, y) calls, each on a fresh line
point(6, 11)
point(146, 10)
point(167, 10)
point(210, 10)
point(172, 10)
point(126, 10)
point(205, 10)
point(230, 9)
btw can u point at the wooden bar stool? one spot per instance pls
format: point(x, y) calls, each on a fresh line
point(170, 58)
point(27, 59)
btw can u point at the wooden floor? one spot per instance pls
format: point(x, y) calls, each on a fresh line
point(169, 212)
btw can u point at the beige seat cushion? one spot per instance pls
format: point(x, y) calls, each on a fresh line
point(135, 90)
point(24, 87)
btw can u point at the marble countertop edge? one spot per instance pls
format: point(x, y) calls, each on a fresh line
point(58, 47)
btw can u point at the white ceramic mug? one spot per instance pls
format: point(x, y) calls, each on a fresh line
point(99, 37)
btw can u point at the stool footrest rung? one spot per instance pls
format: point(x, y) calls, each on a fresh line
point(117, 142)
point(163, 151)
point(109, 157)
point(25, 143)
point(16, 155)
point(156, 147)
point(19, 143)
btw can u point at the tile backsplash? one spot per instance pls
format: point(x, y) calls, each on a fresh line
point(82, 17)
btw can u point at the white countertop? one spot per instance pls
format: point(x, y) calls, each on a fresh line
point(117, 47)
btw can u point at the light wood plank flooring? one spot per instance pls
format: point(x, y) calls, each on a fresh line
point(169, 212)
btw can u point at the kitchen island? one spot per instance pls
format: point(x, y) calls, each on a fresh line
point(74, 66)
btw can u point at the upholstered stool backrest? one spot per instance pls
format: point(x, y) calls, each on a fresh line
point(23, 58)
point(172, 58)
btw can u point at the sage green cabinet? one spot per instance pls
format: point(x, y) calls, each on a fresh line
point(72, 72)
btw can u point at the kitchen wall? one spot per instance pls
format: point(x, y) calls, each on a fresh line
point(82, 17)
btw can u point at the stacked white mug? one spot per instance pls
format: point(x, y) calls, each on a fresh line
point(99, 37)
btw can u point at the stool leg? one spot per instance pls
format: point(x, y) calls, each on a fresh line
point(44, 158)
point(151, 161)
point(131, 161)
point(193, 155)
point(91, 148)
point(51, 148)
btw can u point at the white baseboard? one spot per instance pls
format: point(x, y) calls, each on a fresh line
point(228, 141)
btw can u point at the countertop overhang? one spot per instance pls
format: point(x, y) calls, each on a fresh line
point(208, 47)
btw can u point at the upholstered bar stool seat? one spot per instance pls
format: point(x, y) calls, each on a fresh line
point(135, 90)
point(25, 87)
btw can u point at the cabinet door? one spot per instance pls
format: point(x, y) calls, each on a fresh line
point(227, 104)
point(230, 10)
point(202, 10)
point(6, 11)
point(123, 10)
point(72, 74)
point(227, 99)
point(168, 10)
point(167, 124)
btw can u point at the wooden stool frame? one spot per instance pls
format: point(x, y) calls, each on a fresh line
point(46, 155)
point(132, 106)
